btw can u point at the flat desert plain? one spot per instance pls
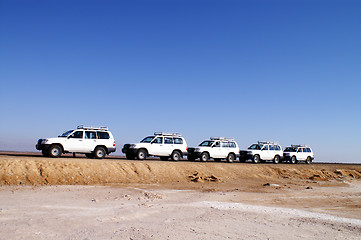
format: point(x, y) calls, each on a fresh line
point(114, 198)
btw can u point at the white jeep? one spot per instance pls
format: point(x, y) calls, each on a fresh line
point(92, 141)
point(262, 151)
point(217, 148)
point(163, 145)
point(297, 153)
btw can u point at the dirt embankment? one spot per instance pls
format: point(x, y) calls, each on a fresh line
point(36, 170)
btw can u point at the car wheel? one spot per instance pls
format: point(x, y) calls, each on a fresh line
point(176, 156)
point(276, 159)
point(293, 160)
point(130, 156)
point(164, 158)
point(45, 153)
point(54, 151)
point(141, 154)
point(99, 152)
point(231, 158)
point(204, 157)
point(256, 158)
point(308, 160)
point(89, 155)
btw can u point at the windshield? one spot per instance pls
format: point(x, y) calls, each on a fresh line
point(66, 133)
point(256, 146)
point(290, 149)
point(206, 144)
point(147, 140)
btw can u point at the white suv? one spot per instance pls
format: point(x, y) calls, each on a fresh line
point(94, 142)
point(217, 148)
point(297, 153)
point(163, 145)
point(262, 151)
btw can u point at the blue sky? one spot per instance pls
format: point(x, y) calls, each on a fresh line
point(287, 71)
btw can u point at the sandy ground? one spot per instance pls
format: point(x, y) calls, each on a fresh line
point(67, 198)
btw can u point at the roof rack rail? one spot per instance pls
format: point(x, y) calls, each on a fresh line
point(92, 128)
point(266, 142)
point(222, 138)
point(167, 134)
point(298, 145)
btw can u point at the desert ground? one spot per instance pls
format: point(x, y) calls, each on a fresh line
point(115, 198)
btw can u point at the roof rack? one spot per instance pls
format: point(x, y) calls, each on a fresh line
point(222, 138)
point(167, 134)
point(298, 145)
point(267, 142)
point(92, 128)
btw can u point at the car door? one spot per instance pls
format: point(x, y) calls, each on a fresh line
point(156, 147)
point(90, 141)
point(168, 146)
point(265, 153)
point(215, 151)
point(74, 142)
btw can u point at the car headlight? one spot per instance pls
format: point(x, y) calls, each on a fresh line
point(197, 149)
point(44, 141)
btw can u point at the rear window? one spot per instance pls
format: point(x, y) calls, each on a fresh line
point(232, 144)
point(103, 135)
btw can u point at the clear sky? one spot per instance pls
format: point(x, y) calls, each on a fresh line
point(286, 71)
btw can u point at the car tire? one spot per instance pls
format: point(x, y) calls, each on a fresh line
point(176, 155)
point(54, 151)
point(308, 160)
point(231, 157)
point(130, 156)
point(164, 158)
point(256, 159)
point(99, 153)
point(204, 157)
point(276, 159)
point(141, 154)
point(89, 155)
point(293, 160)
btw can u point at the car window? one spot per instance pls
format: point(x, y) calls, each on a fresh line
point(77, 134)
point(158, 140)
point(304, 149)
point(271, 147)
point(168, 140)
point(278, 148)
point(103, 135)
point(225, 144)
point(90, 135)
point(265, 147)
point(299, 150)
point(206, 143)
point(217, 144)
point(232, 144)
point(178, 141)
point(308, 149)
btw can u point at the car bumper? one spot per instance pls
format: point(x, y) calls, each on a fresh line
point(245, 156)
point(129, 150)
point(42, 146)
point(110, 150)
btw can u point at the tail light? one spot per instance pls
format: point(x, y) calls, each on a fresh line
point(114, 144)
